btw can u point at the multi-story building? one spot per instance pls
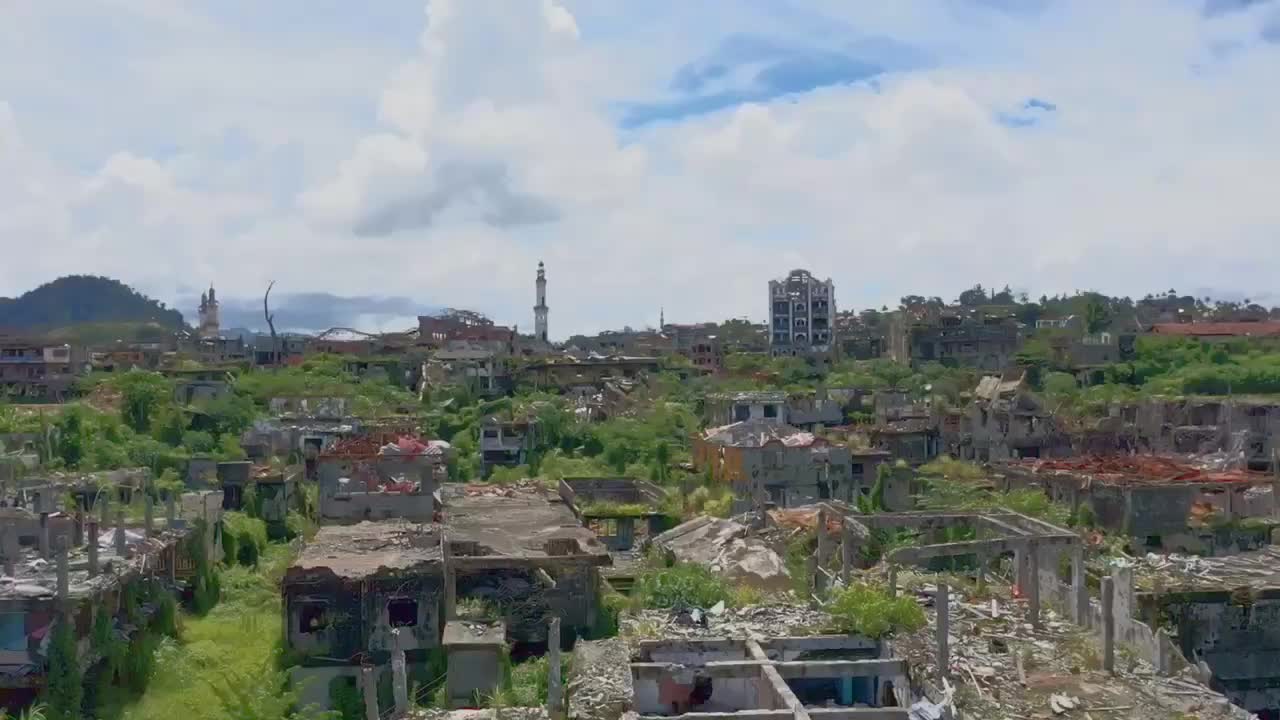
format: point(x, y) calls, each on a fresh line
point(801, 312)
point(987, 342)
point(35, 371)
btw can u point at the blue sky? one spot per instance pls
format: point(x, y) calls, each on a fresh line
point(660, 154)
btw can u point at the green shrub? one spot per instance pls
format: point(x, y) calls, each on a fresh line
point(65, 691)
point(683, 584)
point(867, 610)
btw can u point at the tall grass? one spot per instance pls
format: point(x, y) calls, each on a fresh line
point(241, 633)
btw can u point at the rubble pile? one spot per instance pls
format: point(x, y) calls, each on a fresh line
point(600, 686)
point(1257, 569)
point(752, 622)
point(507, 713)
point(724, 547)
point(1003, 668)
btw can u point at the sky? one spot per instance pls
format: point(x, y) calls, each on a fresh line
point(660, 156)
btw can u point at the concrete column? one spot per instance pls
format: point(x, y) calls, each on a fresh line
point(893, 580)
point(1108, 624)
point(170, 510)
point(103, 501)
point(815, 580)
point(1020, 570)
point(122, 546)
point(1079, 587)
point(846, 556)
point(1033, 586)
point(555, 689)
point(44, 536)
point(399, 680)
point(369, 688)
point(93, 548)
point(450, 581)
point(824, 542)
point(64, 585)
point(942, 606)
point(148, 516)
point(8, 543)
point(77, 529)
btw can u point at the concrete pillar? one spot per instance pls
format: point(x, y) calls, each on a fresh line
point(103, 501)
point(824, 541)
point(1033, 586)
point(64, 584)
point(148, 514)
point(170, 510)
point(399, 680)
point(555, 689)
point(1079, 587)
point(1020, 570)
point(1108, 624)
point(942, 605)
point(8, 546)
point(77, 529)
point(369, 688)
point(450, 581)
point(92, 546)
point(893, 580)
point(44, 536)
point(122, 546)
point(815, 583)
point(846, 556)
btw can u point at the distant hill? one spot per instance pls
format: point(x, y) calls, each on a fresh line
point(83, 300)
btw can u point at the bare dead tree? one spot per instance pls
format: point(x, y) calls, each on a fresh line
point(271, 325)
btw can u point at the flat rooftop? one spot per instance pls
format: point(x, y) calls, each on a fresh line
point(364, 549)
point(1257, 570)
point(515, 521)
point(1137, 470)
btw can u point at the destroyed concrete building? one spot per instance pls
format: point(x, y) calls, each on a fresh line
point(506, 443)
point(973, 341)
point(199, 385)
point(914, 441)
point(39, 371)
point(765, 463)
point(89, 573)
point(359, 592)
point(803, 410)
point(780, 678)
point(1162, 503)
point(621, 512)
point(700, 343)
point(1004, 420)
point(566, 372)
point(802, 310)
point(363, 479)
point(482, 370)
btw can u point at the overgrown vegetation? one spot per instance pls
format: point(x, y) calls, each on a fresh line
point(863, 609)
point(680, 585)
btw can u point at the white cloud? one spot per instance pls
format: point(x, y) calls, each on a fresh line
point(1155, 169)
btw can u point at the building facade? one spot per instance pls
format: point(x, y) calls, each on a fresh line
point(801, 312)
point(210, 325)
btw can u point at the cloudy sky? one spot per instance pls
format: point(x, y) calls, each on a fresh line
point(670, 153)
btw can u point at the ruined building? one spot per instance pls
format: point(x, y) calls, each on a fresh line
point(984, 342)
point(801, 313)
point(359, 592)
point(1004, 420)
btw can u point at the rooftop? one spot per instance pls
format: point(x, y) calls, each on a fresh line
point(756, 433)
point(1219, 329)
point(1139, 470)
point(367, 548)
point(515, 521)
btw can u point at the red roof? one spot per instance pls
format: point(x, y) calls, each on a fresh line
point(1219, 329)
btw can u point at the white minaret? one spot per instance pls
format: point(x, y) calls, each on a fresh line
point(540, 310)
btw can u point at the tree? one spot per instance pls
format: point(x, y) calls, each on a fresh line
point(1096, 315)
point(976, 295)
point(71, 436)
point(662, 458)
point(64, 692)
point(142, 393)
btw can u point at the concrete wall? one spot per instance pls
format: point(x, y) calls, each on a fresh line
point(1240, 642)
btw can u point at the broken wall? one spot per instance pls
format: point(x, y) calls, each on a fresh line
point(1238, 637)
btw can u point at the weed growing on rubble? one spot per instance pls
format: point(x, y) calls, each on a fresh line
point(681, 585)
point(862, 609)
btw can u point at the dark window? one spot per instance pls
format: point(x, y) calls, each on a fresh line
point(856, 469)
point(741, 413)
point(771, 411)
point(493, 433)
point(402, 612)
point(312, 617)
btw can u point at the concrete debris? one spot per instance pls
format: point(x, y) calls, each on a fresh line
point(600, 685)
point(509, 713)
point(1003, 668)
point(723, 546)
point(753, 622)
